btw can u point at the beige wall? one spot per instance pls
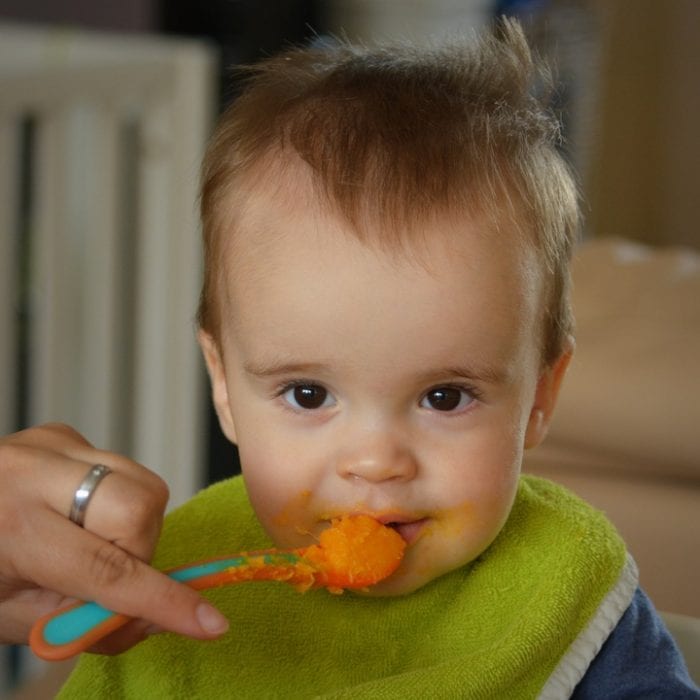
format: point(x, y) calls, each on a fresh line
point(644, 181)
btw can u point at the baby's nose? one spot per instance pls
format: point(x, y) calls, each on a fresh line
point(378, 458)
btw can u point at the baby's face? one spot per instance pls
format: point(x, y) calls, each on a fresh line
point(357, 381)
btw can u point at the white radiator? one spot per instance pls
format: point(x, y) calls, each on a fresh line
point(100, 142)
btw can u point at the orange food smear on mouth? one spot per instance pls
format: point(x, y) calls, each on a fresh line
point(355, 552)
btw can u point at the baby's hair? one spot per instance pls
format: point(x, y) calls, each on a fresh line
point(397, 135)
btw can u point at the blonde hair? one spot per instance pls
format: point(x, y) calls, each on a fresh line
point(395, 133)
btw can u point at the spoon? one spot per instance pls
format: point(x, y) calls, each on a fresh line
point(355, 552)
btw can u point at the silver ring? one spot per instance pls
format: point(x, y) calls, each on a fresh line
point(84, 492)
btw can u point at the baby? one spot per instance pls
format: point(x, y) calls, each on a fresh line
point(385, 320)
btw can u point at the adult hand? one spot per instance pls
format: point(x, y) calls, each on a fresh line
point(45, 559)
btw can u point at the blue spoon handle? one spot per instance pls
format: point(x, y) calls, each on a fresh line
point(67, 632)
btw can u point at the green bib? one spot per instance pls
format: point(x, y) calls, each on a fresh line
point(522, 621)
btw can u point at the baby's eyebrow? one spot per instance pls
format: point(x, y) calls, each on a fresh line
point(274, 368)
point(487, 374)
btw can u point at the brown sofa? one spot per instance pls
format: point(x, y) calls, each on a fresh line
point(626, 434)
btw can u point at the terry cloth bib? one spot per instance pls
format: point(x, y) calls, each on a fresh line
point(522, 621)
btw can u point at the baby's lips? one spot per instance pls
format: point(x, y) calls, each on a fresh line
point(409, 526)
point(408, 530)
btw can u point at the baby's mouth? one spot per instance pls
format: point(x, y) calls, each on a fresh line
point(409, 531)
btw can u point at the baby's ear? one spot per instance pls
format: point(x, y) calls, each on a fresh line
point(548, 386)
point(217, 376)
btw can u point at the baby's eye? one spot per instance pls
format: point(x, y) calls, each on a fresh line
point(308, 396)
point(447, 398)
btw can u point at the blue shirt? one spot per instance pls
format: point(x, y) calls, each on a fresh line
point(639, 661)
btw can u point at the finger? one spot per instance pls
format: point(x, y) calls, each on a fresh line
point(126, 506)
point(87, 567)
point(54, 444)
point(60, 437)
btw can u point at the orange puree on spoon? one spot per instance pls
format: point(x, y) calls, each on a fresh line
point(355, 552)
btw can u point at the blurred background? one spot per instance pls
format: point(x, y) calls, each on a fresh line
point(105, 109)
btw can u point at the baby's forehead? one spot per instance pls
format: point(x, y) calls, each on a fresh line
point(280, 190)
point(273, 216)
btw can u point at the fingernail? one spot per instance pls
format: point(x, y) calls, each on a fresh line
point(210, 619)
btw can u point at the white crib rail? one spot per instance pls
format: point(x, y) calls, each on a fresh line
point(117, 128)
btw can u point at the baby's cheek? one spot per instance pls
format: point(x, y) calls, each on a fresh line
point(267, 499)
point(293, 511)
point(290, 522)
point(465, 532)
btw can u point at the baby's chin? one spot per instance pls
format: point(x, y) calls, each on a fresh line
point(422, 565)
point(404, 581)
